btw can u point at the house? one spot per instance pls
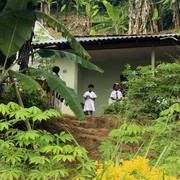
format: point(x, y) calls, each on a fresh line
point(112, 53)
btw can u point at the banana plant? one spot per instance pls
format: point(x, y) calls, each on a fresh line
point(116, 20)
point(17, 20)
point(91, 10)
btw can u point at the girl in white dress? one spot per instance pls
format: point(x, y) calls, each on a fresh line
point(89, 97)
point(116, 94)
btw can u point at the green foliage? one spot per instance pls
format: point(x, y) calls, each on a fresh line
point(49, 160)
point(116, 20)
point(114, 108)
point(35, 98)
point(65, 33)
point(15, 34)
point(151, 94)
point(157, 139)
point(25, 81)
point(62, 54)
point(148, 95)
point(56, 84)
point(16, 31)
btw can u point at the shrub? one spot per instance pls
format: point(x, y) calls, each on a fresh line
point(132, 169)
point(34, 98)
point(114, 108)
point(158, 140)
point(53, 152)
point(149, 92)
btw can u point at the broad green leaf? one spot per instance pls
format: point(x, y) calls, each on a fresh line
point(25, 81)
point(6, 144)
point(134, 129)
point(67, 149)
point(41, 116)
point(70, 56)
point(21, 114)
point(64, 158)
point(155, 14)
point(13, 106)
point(37, 175)
point(47, 137)
point(52, 113)
point(72, 41)
point(14, 30)
point(11, 173)
point(4, 110)
point(58, 173)
point(39, 160)
point(111, 10)
point(13, 158)
point(52, 149)
point(4, 126)
point(56, 84)
point(31, 134)
point(64, 137)
point(34, 110)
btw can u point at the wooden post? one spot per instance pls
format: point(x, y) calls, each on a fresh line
point(153, 59)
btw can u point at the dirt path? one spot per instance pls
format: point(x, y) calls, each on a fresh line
point(88, 133)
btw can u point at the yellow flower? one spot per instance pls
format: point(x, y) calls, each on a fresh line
point(133, 169)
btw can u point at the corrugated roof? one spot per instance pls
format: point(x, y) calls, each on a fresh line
point(96, 39)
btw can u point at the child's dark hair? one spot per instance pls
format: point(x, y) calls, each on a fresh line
point(56, 69)
point(91, 85)
point(115, 85)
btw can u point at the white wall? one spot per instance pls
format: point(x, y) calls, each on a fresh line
point(68, 71)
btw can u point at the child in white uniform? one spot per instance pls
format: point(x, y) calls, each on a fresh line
point(116, 94)
point(89, 97)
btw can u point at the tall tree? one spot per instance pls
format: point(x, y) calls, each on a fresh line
point(140, 13)
point(175, 6)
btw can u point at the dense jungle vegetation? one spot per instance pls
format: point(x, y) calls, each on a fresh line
point(84, 17)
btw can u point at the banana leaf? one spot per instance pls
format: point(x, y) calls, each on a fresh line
point(14, 30)
point(111, 10)
point(65, 33)
point(62, 54)
point(25, 81)
point(56, 84)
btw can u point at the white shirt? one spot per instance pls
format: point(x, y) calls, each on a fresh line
point(116, 95)
point(89, 103)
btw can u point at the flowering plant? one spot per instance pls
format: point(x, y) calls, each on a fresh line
point(133, 169)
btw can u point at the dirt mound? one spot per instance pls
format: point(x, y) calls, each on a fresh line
point(88, 133)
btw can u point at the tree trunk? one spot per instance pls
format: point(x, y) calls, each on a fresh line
point(138, 16)
point(176, 14)
point(131, 15)
point(20, 102)
point(45, 7)
point(153, 22)
point(24, 51)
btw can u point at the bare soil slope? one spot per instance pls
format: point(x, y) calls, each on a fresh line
point(88, 133)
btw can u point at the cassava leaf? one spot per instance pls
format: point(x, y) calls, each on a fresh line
point(13, 106)
point(4, 109)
